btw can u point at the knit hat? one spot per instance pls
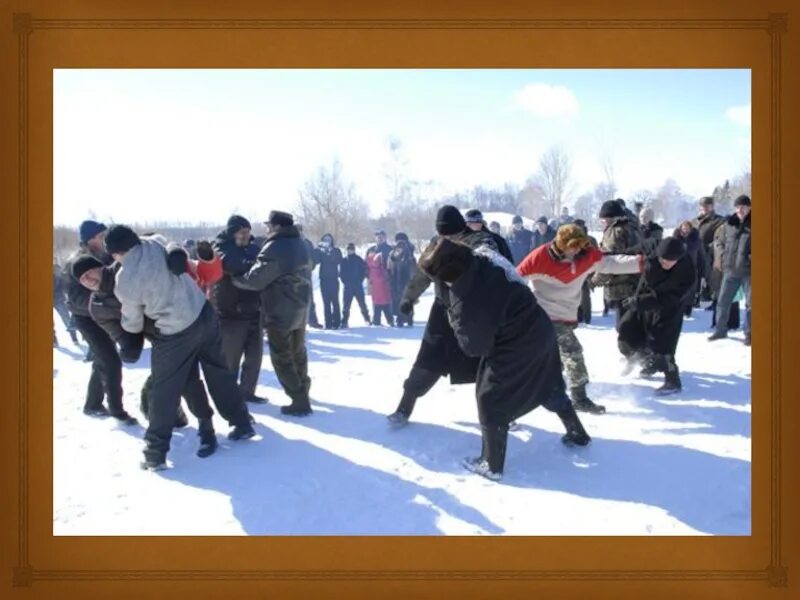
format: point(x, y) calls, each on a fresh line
point(449, 220)
point(611, 209)
point(742, 200)
point(400, 237)
point(516, 219)
point(671, 249)
point(446, 261)
point(236, 223)
point(89, 229)
point(351, 246)
point(706, 201)
point(542, 220)
point(83, 264)
point(280, 218)
point(571, 237)
point(474, 216)
point(120, 239)
point(620, 201)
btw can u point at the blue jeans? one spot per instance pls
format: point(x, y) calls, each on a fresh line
point(730, 285)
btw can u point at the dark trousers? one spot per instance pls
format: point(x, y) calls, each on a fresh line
point(174, 358)
point(357, 293)
point(378, 309)
point(242, 339)
point(287, 351)
point(194, 392)
point(66, 318)
point(312, 311)
point(730, 285)
point(106, 378)
point(330, 303)
point(418, 383)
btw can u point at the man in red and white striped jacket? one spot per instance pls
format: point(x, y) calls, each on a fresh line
point(557, 272)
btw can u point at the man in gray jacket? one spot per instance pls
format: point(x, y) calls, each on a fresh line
point(187, 331)
point(732, 257)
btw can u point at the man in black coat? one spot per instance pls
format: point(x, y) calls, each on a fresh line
point(694, 249)
point(732, 257)
point(543, 234)
point(239, 310)
point(439, 354)
point(106, 378)
point(495, 317)
point(520, 240)
point(474, 219)
point(313, 321)
point(329, 257)
point(654, 314)
point(707, 222)
point(402, 265)
point(353, 272)
point(282, 275)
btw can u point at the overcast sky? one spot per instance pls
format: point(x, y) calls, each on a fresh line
point(198, 145)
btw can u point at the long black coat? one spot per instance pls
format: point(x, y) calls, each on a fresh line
point(495, 316)
point(674, 289)
point(353, 272)
point(230, 301)
point(329, 260)
point(439, 351)
point(402, 266)
point(282, 274)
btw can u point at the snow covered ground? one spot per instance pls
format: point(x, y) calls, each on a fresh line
point(673, 466)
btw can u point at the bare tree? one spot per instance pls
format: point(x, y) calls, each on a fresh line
point(607, 164)
point(329, 204)
point(554, 177)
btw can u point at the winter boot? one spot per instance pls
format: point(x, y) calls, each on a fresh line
point(400, 417)
point(124, 418)
point(672, 379)
point(301, 408)
point(242, 432)
point(747, 339)
point(253, 399)
point(576, 435)
point(182, 420)
point(717, 335)
point(344, 324)
point(208, 438)
point(493, 453)
point(582, 402)
point(100, 411)
point(150, 464)
point(650, 368)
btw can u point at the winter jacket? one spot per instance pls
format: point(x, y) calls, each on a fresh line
point(282, 275)
point(622, 236)
point(329, 260)
point(353, 272)
point(77, 295)
point(732, 244)
point(402, 265)
point(495, 317)
point(520, 243)
point(694, 248)
point(540, 239)
point(652, 231)
point(707, 226)
point(502, 245)
point(147, 288)
point(230, 301)
point(379, 287)
point(384, 249)
point(558, 282)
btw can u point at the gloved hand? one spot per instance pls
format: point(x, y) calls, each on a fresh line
point(406, 307)
point(130, 347)
point(177, 261)
point(205, 251)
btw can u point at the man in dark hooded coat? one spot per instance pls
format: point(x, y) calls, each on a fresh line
point(495, 317)
point(402, 265)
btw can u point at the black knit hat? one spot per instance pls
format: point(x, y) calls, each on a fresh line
point(742, 200)
point(351, 246)
point(277, 217)
point(611, 209)
point(83, 264)
point(516, 219)
point(542, 220)
point(237, 223)
point(671, 249)
point(88, 229)
point(449, 221)
point(474, 216)
point(120, 239)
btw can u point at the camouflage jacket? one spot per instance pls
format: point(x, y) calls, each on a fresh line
point(622, 236)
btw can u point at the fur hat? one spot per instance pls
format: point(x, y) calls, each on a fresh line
point(474, 216)
point(89, 229)
point(237, 223)
point(446, 261)
point(611, 209)
point(120, 239)
point(742, 200)
point(282, 219)
point(83, 264)
point(449, 221)
point(671, 249)
point(571, 237)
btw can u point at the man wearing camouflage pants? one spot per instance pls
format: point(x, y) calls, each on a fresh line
point(557, 271)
